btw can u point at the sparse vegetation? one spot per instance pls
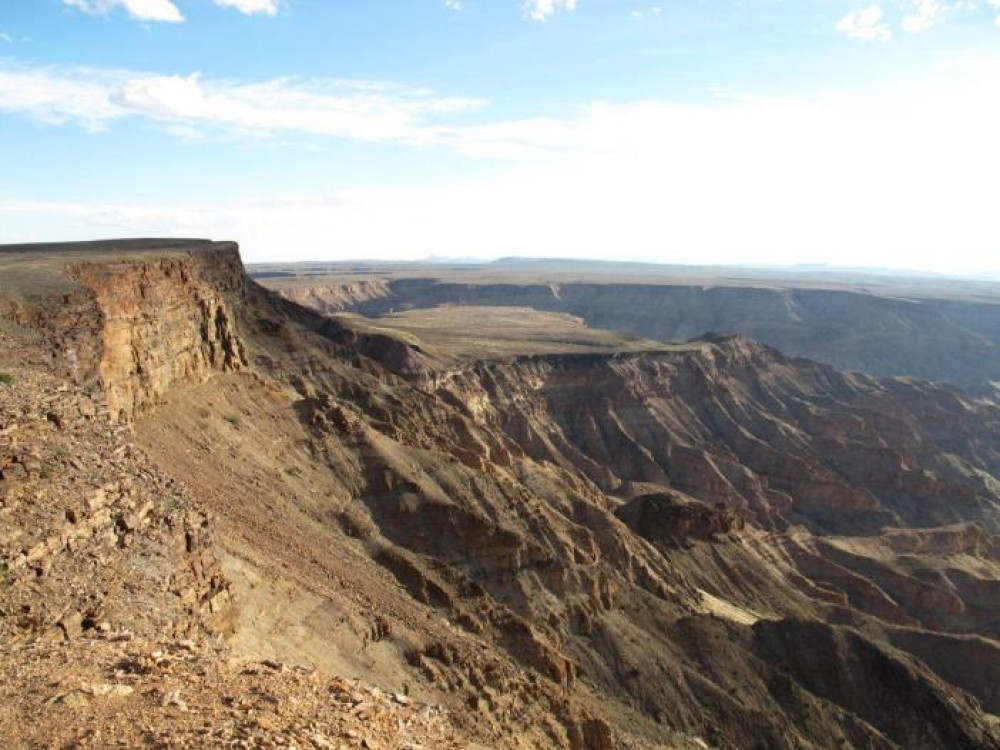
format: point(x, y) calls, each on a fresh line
point(6, 378)
point(234, 419)
point(45, 472)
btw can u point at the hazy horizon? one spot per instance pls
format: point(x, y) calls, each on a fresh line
point(856, 134)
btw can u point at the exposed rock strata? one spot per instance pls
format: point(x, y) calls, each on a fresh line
point(941, 339)
point(589, 551)
point(129, 329)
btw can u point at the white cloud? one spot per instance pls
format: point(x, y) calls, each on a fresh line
point(453, 4)
point(251, 7)
point(79, 95)
point(922, 15)
point(639, 14)
point(6, 38)
point(865, 24)
point(141, 10)
point(359, 110)
point(911, 16)
point(543, 10)
point(892, 179)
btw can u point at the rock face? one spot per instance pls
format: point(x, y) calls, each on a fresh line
point(710, 544)
point(940, 339)
point(332, 297)
point(129, 329)
point(164, 321)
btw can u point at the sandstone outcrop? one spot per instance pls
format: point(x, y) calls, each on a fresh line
point(130, 328)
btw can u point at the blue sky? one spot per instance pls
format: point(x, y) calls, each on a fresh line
point(750, 131)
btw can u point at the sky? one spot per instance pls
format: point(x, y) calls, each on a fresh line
point(761, 132)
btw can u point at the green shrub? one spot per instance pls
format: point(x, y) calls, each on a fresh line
point(6, 378)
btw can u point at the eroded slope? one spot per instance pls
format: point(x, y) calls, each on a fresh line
point(709, 544)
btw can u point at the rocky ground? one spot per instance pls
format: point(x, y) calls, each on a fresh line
point(103, 555)
point(99, 692)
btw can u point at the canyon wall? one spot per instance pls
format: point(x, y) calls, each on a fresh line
point(164, 321)
point(683, 547)
point(131, 327)
point(654, 526)
point(936, 339)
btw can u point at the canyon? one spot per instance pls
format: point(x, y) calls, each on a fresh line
point(405, 512)
point(933, 328)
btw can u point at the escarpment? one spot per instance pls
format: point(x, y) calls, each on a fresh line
point(164, 321)
point(129, 328)
point(334, 297)
point(865, 329)
point(703, 544)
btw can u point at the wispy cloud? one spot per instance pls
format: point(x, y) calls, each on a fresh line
point(901, 177)
point(639, 14)
point(866, 24)
point(874, 23)
point(251, 7)
point(360, 110)
point(6, 38)
point(543, 10)
point(310, 110)
point(163, 11)
point(453, 4)
point(81, 96)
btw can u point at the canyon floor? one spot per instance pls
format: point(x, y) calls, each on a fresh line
point(395, 511)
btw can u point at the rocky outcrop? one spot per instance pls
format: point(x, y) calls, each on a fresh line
point(668, 518)
point(164, 320)
point(132, 320)
point(84, 514)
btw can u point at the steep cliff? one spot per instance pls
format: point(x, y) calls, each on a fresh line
point(335, 296)
point(131, 320)
point(164, 321)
